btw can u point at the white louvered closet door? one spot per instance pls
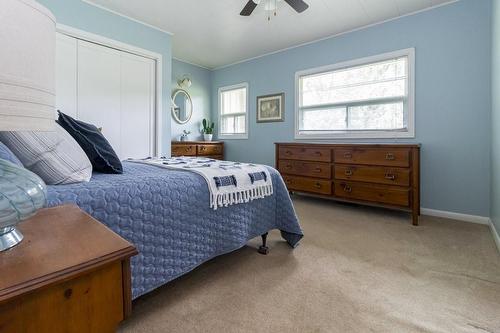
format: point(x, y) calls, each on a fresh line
point(115, 90)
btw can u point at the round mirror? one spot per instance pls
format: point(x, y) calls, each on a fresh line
point(182, 106)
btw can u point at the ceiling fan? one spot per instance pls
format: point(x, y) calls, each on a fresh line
point(298, 5)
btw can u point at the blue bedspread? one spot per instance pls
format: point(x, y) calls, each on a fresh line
point(166, 215)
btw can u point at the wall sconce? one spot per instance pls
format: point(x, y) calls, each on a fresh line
point(185, 82)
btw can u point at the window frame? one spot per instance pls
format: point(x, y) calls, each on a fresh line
point(362, 134)
point(238, 136)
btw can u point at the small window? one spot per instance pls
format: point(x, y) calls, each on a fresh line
point(366, 98)
point(233, 112)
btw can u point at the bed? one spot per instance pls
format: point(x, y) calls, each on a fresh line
point(166, 215)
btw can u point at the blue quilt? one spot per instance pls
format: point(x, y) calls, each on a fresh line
point(166, 215)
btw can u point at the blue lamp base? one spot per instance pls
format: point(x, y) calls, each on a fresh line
point(22, 193)
point(9, 237)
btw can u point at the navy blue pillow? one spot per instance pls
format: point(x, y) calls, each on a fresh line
point(94, 144)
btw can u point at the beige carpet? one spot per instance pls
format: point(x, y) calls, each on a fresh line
point(357, 270)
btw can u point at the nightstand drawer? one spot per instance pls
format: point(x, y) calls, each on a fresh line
point(309, 169)
point(305, 154)
point(311, 185)
point(209, 150)
point(183, 150)
point(373, 156)
point(373, 193)
point(369, 174)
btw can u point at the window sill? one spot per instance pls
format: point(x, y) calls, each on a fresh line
point(357, 135)
point(233, 137)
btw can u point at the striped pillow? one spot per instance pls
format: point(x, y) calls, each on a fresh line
point(54, 156)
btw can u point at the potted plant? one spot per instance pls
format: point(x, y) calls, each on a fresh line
point(208, 130)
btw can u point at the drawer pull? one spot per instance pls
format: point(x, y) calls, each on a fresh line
point(188, 148)
point(317, 185)
point(203, 148)
point(390, 157)
point(288, 153)
point(348, 155)
point(347, 189)
point(318, 153)
point(318, 170)
point(348, 172)
point(390, 176)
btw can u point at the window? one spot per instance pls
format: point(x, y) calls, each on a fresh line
point(233, 112)
point(366, 98)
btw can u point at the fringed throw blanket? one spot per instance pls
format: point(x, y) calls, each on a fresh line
point(229, 183)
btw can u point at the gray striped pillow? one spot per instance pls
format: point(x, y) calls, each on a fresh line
point(54, 156)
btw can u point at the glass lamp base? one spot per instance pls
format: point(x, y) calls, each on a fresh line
point(9, 237)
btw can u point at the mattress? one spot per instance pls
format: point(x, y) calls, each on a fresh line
point(166, 214)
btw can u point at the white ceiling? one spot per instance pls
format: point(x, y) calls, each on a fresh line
point(211, 33)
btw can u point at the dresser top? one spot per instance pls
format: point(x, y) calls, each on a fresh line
point(373, 145)
point(197, 142)
point(59, 243)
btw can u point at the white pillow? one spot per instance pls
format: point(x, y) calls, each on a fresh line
point(54, 156)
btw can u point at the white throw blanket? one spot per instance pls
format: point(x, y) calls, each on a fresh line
point(229, 183)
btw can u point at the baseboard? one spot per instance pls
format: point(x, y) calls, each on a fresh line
point(456, 216)
point(494, 232)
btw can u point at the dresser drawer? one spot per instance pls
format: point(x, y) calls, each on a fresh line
point(373, 193)
point(318, 186)
point(396, 157)
point(309, 169)
point(183, 150)
point(305, 154)
point(371, 174)
point(209, 149)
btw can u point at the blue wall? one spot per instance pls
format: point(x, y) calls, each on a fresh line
point(80, 15)
point(495, 117)
point(453, 97)
point(200, 93)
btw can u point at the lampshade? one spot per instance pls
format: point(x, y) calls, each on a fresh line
point(27, 66)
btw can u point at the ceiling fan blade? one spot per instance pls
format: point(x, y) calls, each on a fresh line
point(249, 8)
point(298, 5)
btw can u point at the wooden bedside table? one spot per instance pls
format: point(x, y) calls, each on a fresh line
point(70, 274)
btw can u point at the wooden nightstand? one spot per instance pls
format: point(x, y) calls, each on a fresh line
point(70, 274)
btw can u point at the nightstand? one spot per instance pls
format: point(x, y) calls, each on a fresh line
point(70, 274)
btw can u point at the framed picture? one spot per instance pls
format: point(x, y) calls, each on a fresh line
point(271, 108)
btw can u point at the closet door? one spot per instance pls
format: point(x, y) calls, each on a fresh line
point(66, 74)
point(137, 106)
point(99, 90)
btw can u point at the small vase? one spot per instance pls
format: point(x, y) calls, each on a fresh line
point(207, 137)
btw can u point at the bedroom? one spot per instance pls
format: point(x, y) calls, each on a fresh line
point(378, 123)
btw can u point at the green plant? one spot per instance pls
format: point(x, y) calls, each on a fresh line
point(208, 127)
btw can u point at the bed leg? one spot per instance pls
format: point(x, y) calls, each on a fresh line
point(264, 249)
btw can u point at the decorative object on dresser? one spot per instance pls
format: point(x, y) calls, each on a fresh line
point(72, 274)
point(214, 149)
point(208, 130)
point(27, 101)
point(378, 175)
point(271, 108)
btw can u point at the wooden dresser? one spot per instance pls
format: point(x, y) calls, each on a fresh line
point(378, 175)
point(213, 149)
point(69, 274)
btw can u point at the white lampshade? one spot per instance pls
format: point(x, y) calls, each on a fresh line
point(27, 66)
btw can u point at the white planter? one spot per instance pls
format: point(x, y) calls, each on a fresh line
point(207, 137)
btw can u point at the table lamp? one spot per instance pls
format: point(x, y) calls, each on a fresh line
point(27, 103)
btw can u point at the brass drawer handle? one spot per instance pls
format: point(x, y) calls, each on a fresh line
point(317, 185)
point(318, 170)
point(348, 172)
point(348, 155)
point(347, 189)
point(390, 157)
point(390, 176)
point(203, 148)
